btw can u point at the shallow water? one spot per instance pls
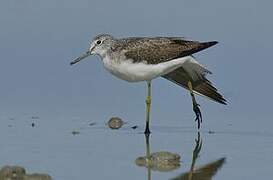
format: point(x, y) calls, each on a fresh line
point(98, 152)
point(53, 116)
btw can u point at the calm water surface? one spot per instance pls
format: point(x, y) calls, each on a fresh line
point(98, 152)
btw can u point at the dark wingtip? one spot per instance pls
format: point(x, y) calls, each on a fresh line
point(219, 98)
point(223, 101)
point(209, 44)
point(214, 42)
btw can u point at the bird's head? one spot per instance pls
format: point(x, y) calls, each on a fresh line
point(100, 45)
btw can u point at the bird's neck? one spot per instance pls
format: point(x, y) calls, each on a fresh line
point(105, 52)
point(110, 59)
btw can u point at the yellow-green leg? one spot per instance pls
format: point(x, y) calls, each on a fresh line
point(196, 108)
point(148, 108)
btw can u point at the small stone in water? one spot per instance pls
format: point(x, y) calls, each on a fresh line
point(115, 123)
point(19, 173)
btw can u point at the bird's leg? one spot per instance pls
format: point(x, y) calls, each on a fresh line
point(148, 156)
point(148, 108)
point(195, 154)
point(196, 108)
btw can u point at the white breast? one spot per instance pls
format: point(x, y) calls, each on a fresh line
point(135, 72)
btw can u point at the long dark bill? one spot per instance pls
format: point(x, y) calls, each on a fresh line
point(81, 58)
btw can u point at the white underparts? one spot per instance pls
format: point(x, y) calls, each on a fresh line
point(135, 72)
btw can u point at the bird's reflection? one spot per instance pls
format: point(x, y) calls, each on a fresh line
point(19, 173)
point(205, 172)
point(167, 161)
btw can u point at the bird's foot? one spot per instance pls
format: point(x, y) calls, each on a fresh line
point(196, 108)
point(147, 131)
point(198, 113)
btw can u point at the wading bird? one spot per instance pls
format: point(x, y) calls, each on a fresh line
point(137, 59)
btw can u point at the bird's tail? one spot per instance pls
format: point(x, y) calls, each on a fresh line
point(206, 89)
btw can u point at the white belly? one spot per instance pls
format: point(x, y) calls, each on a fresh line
point(135, 72)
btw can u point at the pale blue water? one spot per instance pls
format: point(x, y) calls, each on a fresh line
point(100, 153)
point(40, 38)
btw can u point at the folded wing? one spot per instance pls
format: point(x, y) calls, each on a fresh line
point(196, 73)
point(160, 49)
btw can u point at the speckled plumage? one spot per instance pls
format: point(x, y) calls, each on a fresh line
point(158, 49)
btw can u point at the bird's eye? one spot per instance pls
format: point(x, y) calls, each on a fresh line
point(98, 42)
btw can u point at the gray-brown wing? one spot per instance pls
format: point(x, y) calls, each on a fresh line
point(160, 49)
point(202, 86)
point(204, 173)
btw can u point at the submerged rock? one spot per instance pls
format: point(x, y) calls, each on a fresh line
point(19, 173)
point(160, 161)
point(165, 156)
point(115, 123)
point(12, 173)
